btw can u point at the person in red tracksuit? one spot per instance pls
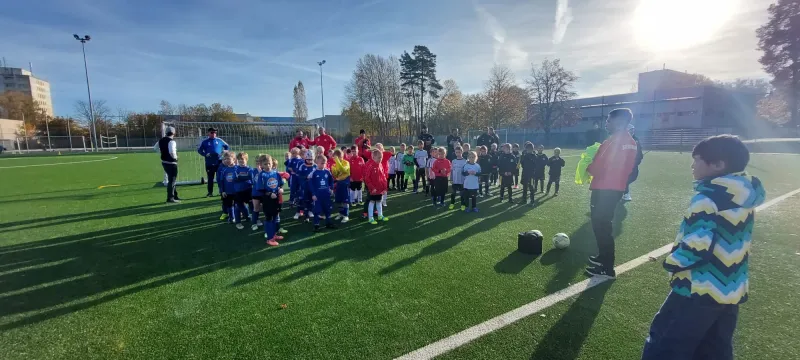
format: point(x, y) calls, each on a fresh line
point(300, 140)
point(325, 140)
point(610, 170)
point(378, 185)
point(356, 176)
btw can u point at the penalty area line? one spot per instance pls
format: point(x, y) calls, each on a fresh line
point(462, 338)
point(53, 164)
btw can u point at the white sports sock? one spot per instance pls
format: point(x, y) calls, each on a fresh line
point(380, 210)
point(371, 209)
point(360, 195)
point(352, 195)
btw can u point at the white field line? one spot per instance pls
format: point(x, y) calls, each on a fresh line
point(53, 164)
point(454, 341)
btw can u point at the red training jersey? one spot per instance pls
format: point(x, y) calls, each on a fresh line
point(613, 163)
point(363, 144)
point(326, 141)
point(441, 167)
point(300, 141)
point(385, 160)
point(375, 177)
point(357, 168)
point(285, 177)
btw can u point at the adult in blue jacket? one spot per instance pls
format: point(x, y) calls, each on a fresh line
point(211, 149)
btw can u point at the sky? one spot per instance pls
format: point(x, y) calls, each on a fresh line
point(249, 53)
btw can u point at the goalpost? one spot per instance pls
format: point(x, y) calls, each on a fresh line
point(249, 137)
point(108, 142)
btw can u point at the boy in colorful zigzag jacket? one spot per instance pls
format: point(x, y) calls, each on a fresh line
point(708, 264)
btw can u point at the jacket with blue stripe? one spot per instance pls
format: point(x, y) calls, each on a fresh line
point(709, 259)
point(211, 150)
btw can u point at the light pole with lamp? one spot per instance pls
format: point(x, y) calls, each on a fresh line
point(83, 41)
point(322, 92)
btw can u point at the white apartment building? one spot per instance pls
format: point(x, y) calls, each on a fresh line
point(16, 79)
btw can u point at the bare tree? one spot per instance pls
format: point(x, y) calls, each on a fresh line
point(101, 114)
point(165, 108)
point(505, 101)
point(551, 88)
point(300, 112)
point(375, 89)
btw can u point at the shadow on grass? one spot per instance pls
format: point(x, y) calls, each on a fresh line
point(514, 263)
point(571, 261)
point(565, 339)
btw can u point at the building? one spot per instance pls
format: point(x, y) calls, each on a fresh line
point(16, 79)
point(668, 99)
point(267, 119)
point(336, 125)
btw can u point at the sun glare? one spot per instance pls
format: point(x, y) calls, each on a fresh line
point(662, 26)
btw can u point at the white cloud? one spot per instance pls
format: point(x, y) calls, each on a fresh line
point(563, 18)
point(506, 50)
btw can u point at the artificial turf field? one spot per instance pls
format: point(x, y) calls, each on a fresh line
point(112, 272)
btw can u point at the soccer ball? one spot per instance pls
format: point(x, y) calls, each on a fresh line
point(561, 241)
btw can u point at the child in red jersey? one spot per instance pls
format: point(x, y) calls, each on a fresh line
point(441, 170)
point(375, 177)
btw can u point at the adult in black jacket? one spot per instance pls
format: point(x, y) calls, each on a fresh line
point(428, 139)
point(453, 140)
point(169, 161)
point(488, 138)
point(635, 173)
point(528, 163)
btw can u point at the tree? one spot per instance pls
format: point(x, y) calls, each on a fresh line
point(375, 88)
point(222, 113)
point(418, 79)
point(551, 88)
point(84, 113)
point(779, 39)
point(300, 112)
point(20, 106)
point(505, 101)
point(774, 108)
point(165, 108)
point(759, 86)
point(359, 119)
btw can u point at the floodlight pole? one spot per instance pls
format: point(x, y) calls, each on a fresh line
point(322, 92)
point(83, 41)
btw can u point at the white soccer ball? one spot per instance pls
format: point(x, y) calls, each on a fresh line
point(561, 241)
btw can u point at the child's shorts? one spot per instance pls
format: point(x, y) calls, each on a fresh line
point(244, 197)
point(356, 185)
point(270, 206)
point(378, 197)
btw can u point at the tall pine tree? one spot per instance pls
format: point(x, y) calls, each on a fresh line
point(779, 39)
point(418, 79)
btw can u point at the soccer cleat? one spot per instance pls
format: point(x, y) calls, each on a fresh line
point(595, 260)
point(272, 242)
point(516, 187)
point(254, 227)
point(173, 201)
point(467, 210)
point(239, 226)
point(223, 217)
point(384, 205)
point(282, 231)
point(627, 197)
point(296, 216)
point(317, 228)
point(600, 272)
point(345, 219)
point(278, 237)
point(310, 214)
point(452, 206)
point(556, 194)
point(475, 210)
point(259, 223)
point(384, 219)
point(209, 195)
point(373, 222)
point(364, 215)
point(463, 207)
point(337, 216)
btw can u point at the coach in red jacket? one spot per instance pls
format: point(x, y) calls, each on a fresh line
point(610, 169)
point(363, 143)
point(325, 140)
point(300, 139)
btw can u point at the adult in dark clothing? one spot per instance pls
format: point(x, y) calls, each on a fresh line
point(635, 172)
point(488, 138)
point(555, 164)
point(169, 161)
point(211, 149)
point(528, 163)
point(427, 138)
point(453, 140)
point(538, 169)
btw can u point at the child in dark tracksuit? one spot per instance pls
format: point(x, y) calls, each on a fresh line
point(506, 166)
point(485, 162)
point(494, 156)
point(528, 164)
point(555, 164)
point(538, 169)
point(708, 264)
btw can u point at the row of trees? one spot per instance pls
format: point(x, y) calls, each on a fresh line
point(779, 40)
point(393, 97)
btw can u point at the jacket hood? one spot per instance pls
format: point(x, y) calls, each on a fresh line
point(730, 191)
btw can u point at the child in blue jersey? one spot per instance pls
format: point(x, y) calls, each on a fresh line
point(226, 178)
point(294, 182)
point(256, 193)
point(244, 188)
point(341, 174)
point(320, 183)
point(271, 185)
point(472, 181)
point(457, 176)
point(303, 190)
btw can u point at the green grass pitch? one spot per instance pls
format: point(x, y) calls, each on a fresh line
point(93, 265)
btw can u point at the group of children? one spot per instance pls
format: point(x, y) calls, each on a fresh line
point(319, 180)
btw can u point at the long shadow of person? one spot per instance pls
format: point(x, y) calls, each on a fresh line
point(565, 339)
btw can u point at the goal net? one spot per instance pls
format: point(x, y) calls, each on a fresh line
point(108, 142)
point(252, 138)
point(473, 135)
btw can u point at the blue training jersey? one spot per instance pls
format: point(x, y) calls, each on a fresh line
point(226, 179)
point(303, 173)
point(254, 176)
point(244, 179)
point(321, 182)
point(211, 150)
point(269, 182)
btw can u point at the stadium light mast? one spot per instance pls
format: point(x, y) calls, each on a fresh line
point(83, 41)
point(322, 92)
